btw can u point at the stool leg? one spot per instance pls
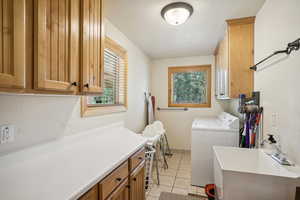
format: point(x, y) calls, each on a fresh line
point(157, 169)
point(168, 153)
point(164, 153)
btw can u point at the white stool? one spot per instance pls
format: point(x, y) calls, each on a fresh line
point(153, 139)
point(158, 126)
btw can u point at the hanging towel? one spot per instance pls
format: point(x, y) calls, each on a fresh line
point(153, 106)
point(150, 110)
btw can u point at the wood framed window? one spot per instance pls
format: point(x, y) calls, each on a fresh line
point(114, 96)
point(189, 86)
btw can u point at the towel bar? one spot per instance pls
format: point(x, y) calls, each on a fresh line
point(182, 109)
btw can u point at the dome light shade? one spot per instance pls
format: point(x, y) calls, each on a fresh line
point(177, 13)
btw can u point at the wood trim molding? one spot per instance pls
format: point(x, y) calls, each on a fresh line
point(88, 111)
point(114, 47)
point(172, 70)
point(245, 20)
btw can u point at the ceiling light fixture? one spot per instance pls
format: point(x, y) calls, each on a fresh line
point(177, 13)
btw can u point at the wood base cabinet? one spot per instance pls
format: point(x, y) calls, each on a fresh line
point(126, 182)
point(233, 56)
point(137, 183)
point(121, 193)
point(92, 194)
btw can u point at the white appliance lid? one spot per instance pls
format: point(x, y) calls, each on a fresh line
point(224, 121)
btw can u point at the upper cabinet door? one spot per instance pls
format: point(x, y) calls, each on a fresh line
point(56, 45)
point(92, 46)
point(12, 44)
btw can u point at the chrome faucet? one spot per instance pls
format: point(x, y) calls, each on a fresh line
point(278, 155)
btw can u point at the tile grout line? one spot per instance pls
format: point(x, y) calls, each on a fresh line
point(177, 170)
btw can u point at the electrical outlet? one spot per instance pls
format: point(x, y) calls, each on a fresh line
point(7, 134)
point(274, 120)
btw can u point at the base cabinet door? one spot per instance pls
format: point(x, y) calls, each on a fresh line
point(137, 183)
point(121, 193)
point(92, 194)
point(12, 44)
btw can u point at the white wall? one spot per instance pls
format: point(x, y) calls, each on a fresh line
point(277, 23)
point(41, 119)
point(178, 123)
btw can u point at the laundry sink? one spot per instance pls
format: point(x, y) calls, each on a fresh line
point(252, 174)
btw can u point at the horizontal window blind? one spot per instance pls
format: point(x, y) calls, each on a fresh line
point(115, 86)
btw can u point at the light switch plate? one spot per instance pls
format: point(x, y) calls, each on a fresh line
point(7, 134)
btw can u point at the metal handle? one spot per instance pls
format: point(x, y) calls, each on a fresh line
point(74, 84)
point(86, 85)
point(118, 179)
point(141, 158)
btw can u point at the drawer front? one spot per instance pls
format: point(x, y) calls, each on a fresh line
point(121, 193)
point(92, 194)
point(136, 159)
point(112, 181)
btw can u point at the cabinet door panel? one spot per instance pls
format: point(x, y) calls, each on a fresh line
point(121, 193)
point(137, 183)
point(92, 194)
point(92, 46)
point(57, 44)
point(12, 43)
point(241, 58)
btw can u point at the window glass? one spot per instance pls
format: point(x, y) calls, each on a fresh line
point(190, 86)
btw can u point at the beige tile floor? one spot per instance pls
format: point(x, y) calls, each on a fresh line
point(175, 179)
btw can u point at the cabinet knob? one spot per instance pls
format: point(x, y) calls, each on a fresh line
point(86, 85)
point(74, 84)
point(140, 158)
point(134, 179)
point(118, 179)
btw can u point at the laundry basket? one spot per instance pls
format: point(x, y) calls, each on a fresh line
point(149, 155)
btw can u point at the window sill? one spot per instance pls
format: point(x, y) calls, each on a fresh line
point(90, 111)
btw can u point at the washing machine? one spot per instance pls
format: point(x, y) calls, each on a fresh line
point(222, 130)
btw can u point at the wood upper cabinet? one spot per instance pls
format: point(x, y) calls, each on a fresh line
point(241, 56)
point(56, 45)
point(92, 44)
point(12, 44)
point(51, 46)
point(137, 183)
point(234, 56)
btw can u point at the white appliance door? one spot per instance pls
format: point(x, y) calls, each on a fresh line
point(202, 153)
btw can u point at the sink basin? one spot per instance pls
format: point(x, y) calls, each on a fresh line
point(252, 174)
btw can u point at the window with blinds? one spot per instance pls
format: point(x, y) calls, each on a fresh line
point(115, 86)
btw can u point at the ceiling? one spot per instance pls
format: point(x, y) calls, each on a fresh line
point(141, 22)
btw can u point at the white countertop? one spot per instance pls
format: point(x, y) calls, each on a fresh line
point(254, 161)
point(67, 168)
